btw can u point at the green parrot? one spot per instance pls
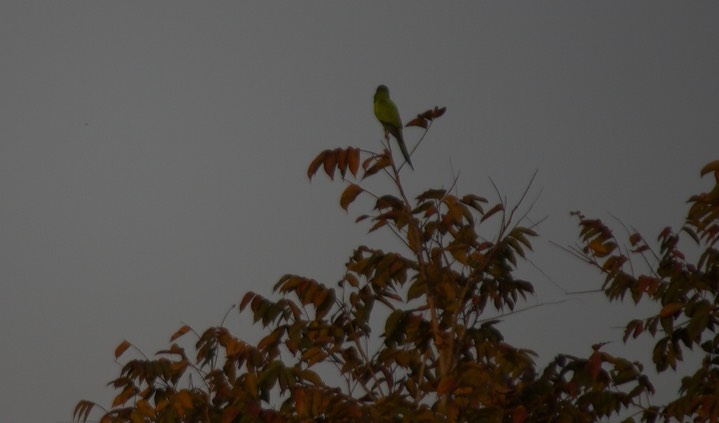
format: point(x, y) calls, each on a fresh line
point(388, 115)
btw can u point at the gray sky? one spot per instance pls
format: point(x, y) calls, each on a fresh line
point(153, 155)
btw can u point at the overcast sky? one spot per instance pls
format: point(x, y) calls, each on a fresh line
point(153, 156)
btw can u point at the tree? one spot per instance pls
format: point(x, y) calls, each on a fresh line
point(439, 357)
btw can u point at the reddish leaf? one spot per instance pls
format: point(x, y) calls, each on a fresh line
point(341, 161)
point(183, 330)
point(418, 121)
point(427, 114)
point(438, 112)
point(361, 218)
point(633, 329)
point(124, 345)
point(594, 364)
point(519, 414)
point(491, 211)
point(246, 299)
point(670, 309)
point(316, 163)
point(330, 164)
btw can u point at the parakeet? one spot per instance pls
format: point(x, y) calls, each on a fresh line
point(388, 115)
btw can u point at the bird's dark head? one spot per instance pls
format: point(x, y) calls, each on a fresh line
point(383, 89)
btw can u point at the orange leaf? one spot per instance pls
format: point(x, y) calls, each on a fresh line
point(246, 299)
point(125, 395)
point(145, 409)
point(711, 167)
point(353, 159)
point(183, 330)
point(670, 309)
point(83, 409)
point(414, 238)
point(598, 247)
point(301, 406)
point(316, 163)
point(183, 401)
point(124, 345)
point(446, 385)
point(349, 195)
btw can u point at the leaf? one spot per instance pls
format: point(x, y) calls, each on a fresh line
point(380, 163)
point(594, 364)
point(310, 376)
point(326, 305)
point(392, 322)
point(349, 195)
point(635, 239)
point(418, 121)
point(353, 160)
point(124, 345)
point(82, 410)
point(183, 399)
point(229, 414)
point(416, 290)
point(316, 163)
point(341, 161)
point(313, 356)
point(330, 164)
point(599, 248)
point(519, 414)
point(144, 408)
point(414, 238)
point(711, 167)
point(438, 112)
point(670, 309)
point(361, 218)
point(270, 340)
point(633, 329)
point(128, 392)
point(491, 211)
point(246, 299)
point(446, 384)
point(699, 319)
point(183, 330)
point(432, 194)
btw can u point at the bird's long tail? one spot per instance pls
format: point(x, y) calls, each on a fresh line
point(405, 153)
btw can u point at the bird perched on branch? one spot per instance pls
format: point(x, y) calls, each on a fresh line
point(387, 114)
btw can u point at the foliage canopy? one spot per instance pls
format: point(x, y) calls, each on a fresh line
point(438, 358)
